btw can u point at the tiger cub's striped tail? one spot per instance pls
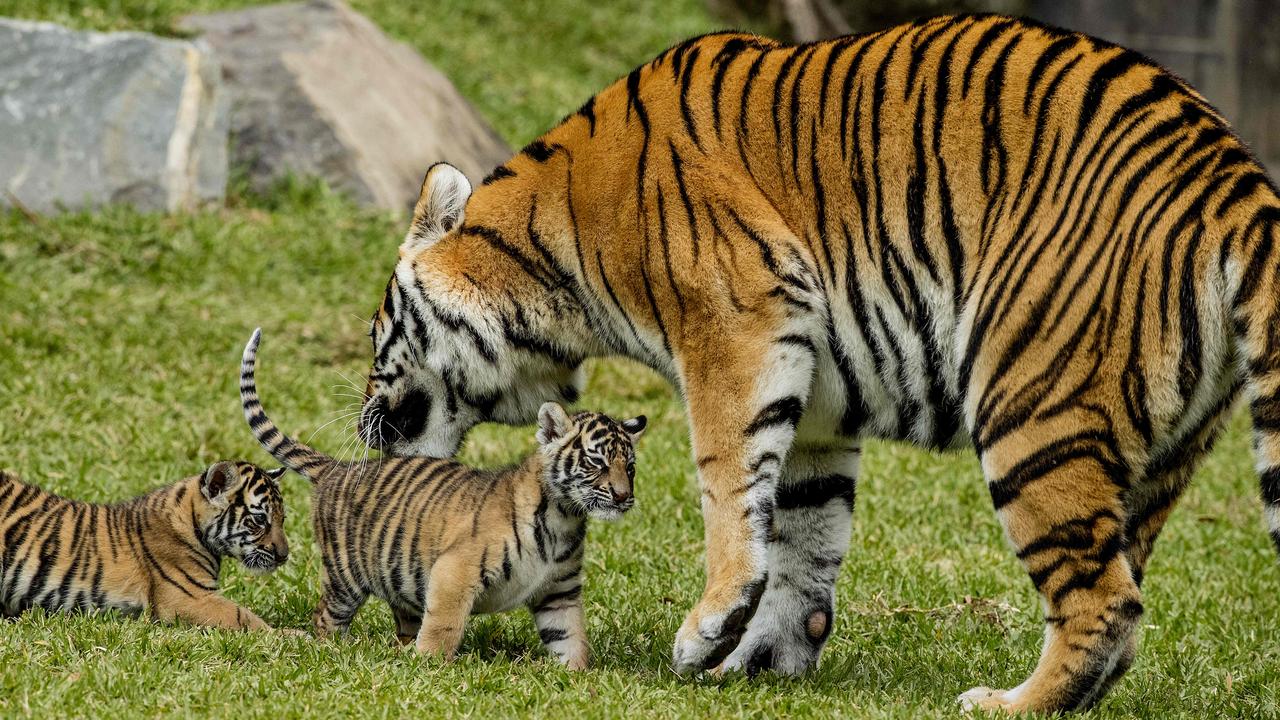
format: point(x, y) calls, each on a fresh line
point(292, 454)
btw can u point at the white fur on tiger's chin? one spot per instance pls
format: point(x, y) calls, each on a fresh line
point(606, 513)
point(259, 568)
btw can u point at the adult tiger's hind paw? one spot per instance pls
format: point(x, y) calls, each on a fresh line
point(984, 698)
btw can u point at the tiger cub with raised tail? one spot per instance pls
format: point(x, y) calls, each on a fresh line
point(439, 541)
point(160, 552)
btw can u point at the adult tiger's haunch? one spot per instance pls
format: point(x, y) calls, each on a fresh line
point(967, 229)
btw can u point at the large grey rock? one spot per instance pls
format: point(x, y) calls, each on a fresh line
point(317, 89)
point(90, 118)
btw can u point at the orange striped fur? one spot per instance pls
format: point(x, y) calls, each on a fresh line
point(159, 553)
point(439, 541)
point(967, 231)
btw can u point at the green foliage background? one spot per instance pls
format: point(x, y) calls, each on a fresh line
point(120, 335)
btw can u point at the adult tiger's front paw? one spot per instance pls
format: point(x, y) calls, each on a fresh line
point(781, 638)
point(708, 635)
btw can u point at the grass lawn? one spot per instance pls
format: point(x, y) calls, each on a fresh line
point(120, 337)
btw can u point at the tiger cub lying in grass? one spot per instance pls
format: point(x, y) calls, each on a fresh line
point(160, 552)
point(439, 541)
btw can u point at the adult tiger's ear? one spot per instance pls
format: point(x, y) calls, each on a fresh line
point(635, 426)
point(553, 423)
point(219, 481)
point(439, 208)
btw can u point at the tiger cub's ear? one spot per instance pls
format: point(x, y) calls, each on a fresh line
point(219, 481)
point(553, 423)
point(635, 426)
point(439, 208)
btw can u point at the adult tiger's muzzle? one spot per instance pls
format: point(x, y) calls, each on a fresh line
point(387, 427)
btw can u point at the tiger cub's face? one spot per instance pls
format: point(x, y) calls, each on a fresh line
point(591, 459)
point(244, 514)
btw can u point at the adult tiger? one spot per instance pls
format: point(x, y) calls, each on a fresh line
point(970, 229)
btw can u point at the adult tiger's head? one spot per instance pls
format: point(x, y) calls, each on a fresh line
point(456, 339)
point(242, 514)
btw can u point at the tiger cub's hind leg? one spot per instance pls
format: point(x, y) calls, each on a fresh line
point(338, 605)
point(1059, 496)
point(408, 623)
point(812, 524)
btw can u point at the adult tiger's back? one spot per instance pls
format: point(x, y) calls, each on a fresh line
point(970, 228)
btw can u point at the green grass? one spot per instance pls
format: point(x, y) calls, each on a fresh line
point(120, 337)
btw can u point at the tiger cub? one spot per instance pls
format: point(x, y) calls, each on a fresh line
point(439, 541)
point(160, 552)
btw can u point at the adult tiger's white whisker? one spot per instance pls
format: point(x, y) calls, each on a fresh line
point(350, 383)
point(397, 432)
point(351, 438)
point(364, 460)
point(344, 416)
point(356, 439)
point(381, 443)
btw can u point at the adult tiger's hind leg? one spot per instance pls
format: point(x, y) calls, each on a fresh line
point(1058, 489)
point(1257, 321)
point(1148, 504)
point(812, 524)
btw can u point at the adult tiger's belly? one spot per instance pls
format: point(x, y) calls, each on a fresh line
point(887, 381)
